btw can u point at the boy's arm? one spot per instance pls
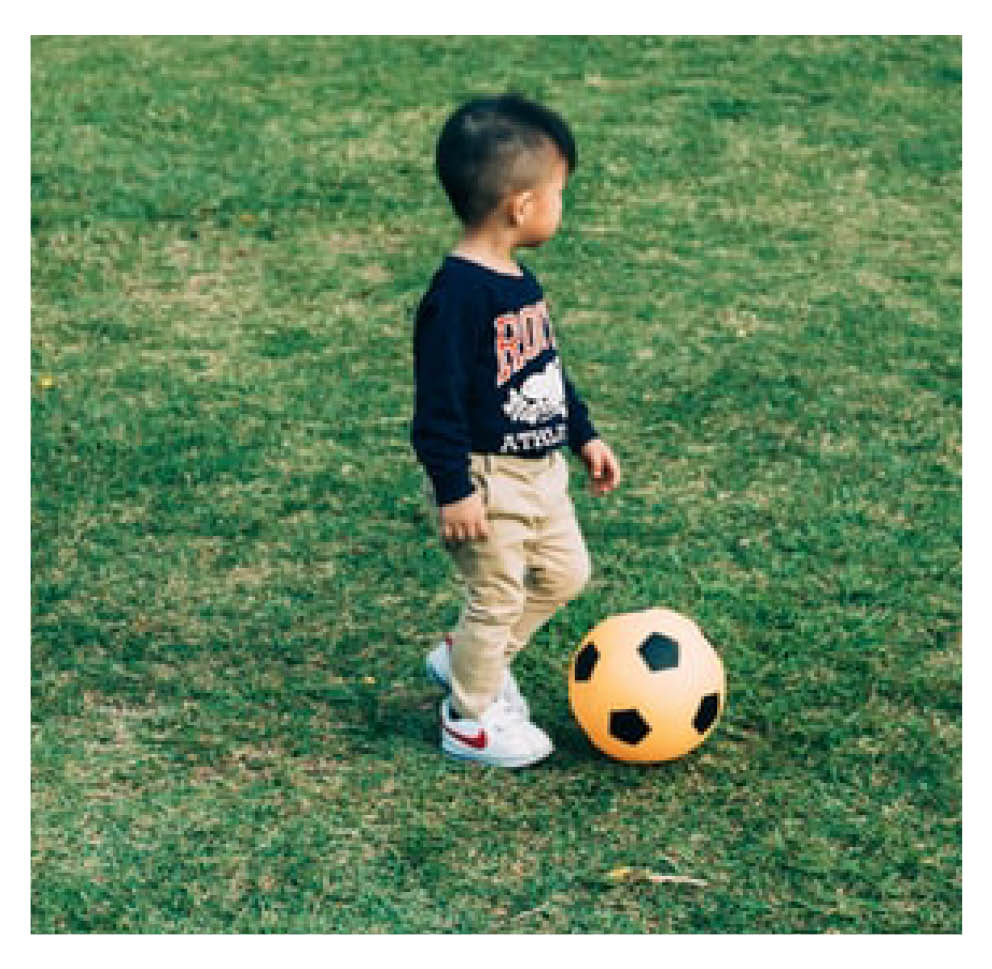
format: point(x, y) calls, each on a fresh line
point(444, 347)
point(599, 459)
point(580, 427)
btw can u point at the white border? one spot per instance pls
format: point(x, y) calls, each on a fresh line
point(507, 17)
point(185, 17)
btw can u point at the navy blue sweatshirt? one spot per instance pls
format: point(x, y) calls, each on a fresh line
point(487, 375)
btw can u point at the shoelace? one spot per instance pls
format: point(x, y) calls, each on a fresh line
point(510, 718)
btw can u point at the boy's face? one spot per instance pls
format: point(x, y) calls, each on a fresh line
point(540, 213)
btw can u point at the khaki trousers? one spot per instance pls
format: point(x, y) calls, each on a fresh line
point(532, 563)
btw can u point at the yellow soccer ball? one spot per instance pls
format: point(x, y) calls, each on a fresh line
point(646, 686)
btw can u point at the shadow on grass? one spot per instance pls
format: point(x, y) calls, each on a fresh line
point(412, 722)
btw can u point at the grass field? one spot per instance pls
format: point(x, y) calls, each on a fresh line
point(757, 288)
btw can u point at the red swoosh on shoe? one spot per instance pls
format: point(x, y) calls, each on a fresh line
point(478, 741)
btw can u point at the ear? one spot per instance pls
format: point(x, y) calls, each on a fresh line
point(520, 206)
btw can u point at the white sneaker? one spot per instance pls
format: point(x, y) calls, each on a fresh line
point(500, 737)
point(438, 664)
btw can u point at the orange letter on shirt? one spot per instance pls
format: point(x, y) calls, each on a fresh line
point(509, 349)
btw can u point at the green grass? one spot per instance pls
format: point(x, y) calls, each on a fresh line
point(757, 288)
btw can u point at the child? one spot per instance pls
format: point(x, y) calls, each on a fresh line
point(492, 409)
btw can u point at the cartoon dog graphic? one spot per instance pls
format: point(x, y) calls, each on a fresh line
point(541, 395)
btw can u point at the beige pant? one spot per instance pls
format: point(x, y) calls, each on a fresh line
point(532, 563)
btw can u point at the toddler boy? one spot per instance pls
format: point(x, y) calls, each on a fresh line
point(492, 409)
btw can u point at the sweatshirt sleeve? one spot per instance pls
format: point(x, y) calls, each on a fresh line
point(444, 345)
point(580, 427)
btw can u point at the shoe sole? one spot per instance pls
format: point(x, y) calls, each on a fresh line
point(512, 762)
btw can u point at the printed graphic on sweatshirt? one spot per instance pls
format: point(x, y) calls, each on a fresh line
point(542, 437)
point(540, 397)
point(520, 337)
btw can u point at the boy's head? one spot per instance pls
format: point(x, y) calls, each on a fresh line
point(496, 147)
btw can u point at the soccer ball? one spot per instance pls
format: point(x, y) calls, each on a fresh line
point(646, 686)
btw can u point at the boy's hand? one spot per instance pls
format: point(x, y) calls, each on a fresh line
point(602, 465)
point(464, 519)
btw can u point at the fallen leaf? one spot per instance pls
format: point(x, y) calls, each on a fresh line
point(644, 875)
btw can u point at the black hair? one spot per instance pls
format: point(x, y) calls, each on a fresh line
point(482, 140)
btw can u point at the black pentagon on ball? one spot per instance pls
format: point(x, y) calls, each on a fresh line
point(628, 726)
point(585, 662)
point(706, 714)
point(660, 652)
